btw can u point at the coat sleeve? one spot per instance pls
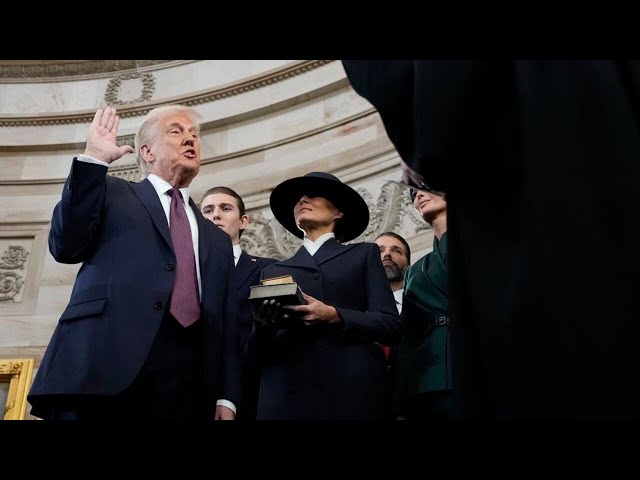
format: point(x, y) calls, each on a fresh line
point(380, 322)
point(76, 220)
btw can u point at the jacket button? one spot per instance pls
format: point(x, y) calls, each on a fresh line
point(316, 276)
point(170, 266)
point(157, 305)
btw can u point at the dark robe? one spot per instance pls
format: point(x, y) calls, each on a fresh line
point(540, 162)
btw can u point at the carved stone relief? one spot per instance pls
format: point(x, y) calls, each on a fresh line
point(122, 89)
point(64, 70)
point(390, 209)
point(22, 253)
point(13, 269)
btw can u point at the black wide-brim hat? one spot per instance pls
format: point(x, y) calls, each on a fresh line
point(319, 184)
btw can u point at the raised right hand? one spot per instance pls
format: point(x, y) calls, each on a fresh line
point(101, 138)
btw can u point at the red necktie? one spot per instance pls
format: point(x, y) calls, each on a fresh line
point(185, 299)
point(386, 350)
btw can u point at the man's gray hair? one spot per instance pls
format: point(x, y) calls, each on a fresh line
point(148, 128)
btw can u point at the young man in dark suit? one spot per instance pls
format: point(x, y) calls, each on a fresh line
point(150, 330)
point(225, 208)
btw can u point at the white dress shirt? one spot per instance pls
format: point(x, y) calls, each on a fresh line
point(162, 188)
point(237, 251)
point(312, 247)
point(398, 296)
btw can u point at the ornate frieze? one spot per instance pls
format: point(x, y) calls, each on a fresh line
point(64, 71)
point(147, 87)
point(10, 285)
point(13, 258)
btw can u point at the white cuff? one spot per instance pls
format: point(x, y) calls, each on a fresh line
point(228, 404)
point(88, 159)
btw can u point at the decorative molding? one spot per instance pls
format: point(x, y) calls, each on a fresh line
point(17, 373)
point(79, 70)
point(126, 140)
point(8, 367)
point(14, 257)
point(206, 96)
point(112, 94)
point(131, 174)
point(11, 283)
point(23, 248)
point(265, 237)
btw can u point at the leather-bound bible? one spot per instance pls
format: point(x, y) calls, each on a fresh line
point(282, 289)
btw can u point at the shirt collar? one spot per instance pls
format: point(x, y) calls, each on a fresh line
point(237, 251)
point(162, 186)
point(312, 247)
point(398, 295)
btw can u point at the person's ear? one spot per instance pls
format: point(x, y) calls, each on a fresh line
point(338, 215)
point(146, 153)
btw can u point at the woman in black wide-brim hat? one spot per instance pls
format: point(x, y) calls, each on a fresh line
point(326, 360)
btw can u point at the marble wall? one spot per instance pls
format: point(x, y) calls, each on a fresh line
point(264, 121)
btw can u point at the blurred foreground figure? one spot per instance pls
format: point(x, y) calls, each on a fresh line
point(540, 164)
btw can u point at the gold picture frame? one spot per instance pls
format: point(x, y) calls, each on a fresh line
point(17, 372)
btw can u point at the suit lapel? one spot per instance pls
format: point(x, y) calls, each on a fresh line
point(245, 268)
point(203, 244)
point(302, 259)
point(330, 249)
point(149, 198)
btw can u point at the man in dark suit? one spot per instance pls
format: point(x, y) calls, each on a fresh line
point(540, 163)
point(150, 330)
point(225, 208)
point(395, 254)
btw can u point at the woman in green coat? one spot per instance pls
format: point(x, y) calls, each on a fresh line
point(423, 375)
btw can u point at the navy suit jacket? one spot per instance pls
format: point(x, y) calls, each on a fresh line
point(247, 273)
point(335, 371)
point(119, 231)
